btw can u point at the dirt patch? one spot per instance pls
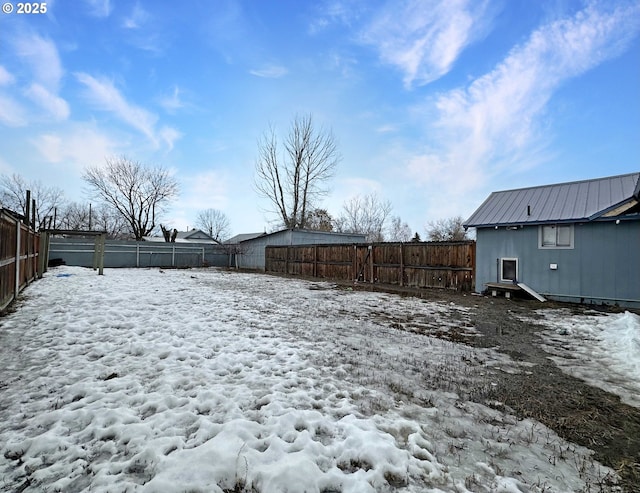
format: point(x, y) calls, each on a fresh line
point(576, 411)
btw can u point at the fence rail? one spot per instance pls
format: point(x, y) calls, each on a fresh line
point(19, 250)
point(432, 264)
point(122, 253)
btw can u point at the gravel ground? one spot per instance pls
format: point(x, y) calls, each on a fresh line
point(578, 412)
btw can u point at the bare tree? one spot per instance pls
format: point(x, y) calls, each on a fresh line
point(366, 215)
point(398, 231)
point(214, 222)
point(450, 229)
point(75, 216)
point(13, 195)
point(319, 220)
point(137, 192)
point(84, 217)
point(104, 218)
point(293, 175)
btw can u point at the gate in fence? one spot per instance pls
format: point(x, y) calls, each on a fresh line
point(19, 251)
point(448, 265)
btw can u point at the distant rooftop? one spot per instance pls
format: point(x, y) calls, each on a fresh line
point(242, 237)
point(562, 202)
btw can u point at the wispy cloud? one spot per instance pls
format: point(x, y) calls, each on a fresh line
point(169, 136)
point(495, 121)
point(145, 31)
point(41, 56)
point(99, 8)
point(424, 38)
point(331, 13)
point(105, 96)
point(136, 19)
point(205, 190)
point(173, 102)
point(12, 114)
point(270, 71)
point(52, 103)
point(5, 77)
point(79, 145)
point(384, 129)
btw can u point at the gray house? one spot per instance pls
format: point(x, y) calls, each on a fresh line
point(191, 236)
point(251, 252)
point(577, 241)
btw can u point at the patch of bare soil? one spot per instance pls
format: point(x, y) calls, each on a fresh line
point(576, 411)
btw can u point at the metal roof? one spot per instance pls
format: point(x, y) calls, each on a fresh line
point(242, 237)
point(304, 231)
point(562, 202)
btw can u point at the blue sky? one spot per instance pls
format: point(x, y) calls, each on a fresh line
point(434, 104)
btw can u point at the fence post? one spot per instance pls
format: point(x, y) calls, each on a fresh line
point(102, 240)
point(96, 252)
point(41, 257)
point(371, 263)
point(16, 289)
point(173, 256)
point(286, 261)
point(27, 208)
point(401, 264)
point(46, 251)
point(354, 261)
point(137, 255)
point(315, 260)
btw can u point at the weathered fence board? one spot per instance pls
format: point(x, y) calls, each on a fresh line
point(448, 265)
point(19, 249)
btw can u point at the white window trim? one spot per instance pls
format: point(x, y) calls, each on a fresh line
point(555, 247)
point(502, 279)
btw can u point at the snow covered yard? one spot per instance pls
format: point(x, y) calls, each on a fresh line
point(602, 349)
point(214, 381)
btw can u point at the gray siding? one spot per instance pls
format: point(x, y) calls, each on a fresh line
point(252, 252)
point(603, 266)
point(77, 251)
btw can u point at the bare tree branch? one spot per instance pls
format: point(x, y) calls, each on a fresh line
point(83, 217)
point(215, 223)
point(365, 215)
point(13, 195)
point(450, 229)
point(138, 193)
point(295, 179)
point(399, 231)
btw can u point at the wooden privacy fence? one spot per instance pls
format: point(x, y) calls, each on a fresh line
point(19, 250)
point(448, 265)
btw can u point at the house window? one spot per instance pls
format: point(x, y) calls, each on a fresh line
point(508, 269)
point(556, 236)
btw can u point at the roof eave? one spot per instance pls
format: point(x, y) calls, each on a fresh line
point(530, 223)
point(616, 209)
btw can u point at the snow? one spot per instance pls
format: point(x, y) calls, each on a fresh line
point(602, 349)
point(215, 381)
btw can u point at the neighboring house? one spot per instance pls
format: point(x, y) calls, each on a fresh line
point(251, 252)
point(577, 241)
point(196, 236)
point(192, 236)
